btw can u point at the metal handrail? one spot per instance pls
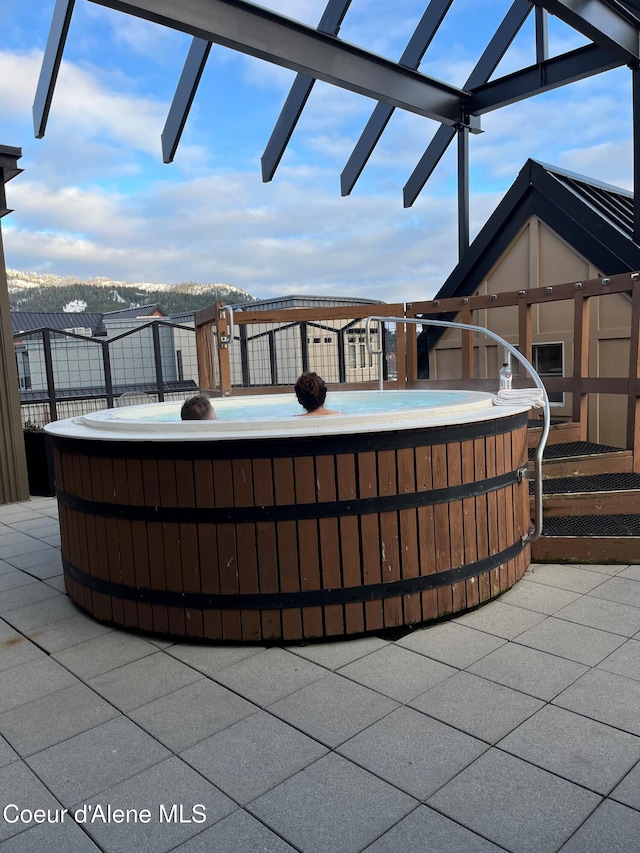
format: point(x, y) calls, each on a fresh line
point(536, 532)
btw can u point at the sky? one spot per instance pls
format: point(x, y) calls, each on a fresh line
point(96, 200)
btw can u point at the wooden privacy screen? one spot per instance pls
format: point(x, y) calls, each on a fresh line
point(293, 539)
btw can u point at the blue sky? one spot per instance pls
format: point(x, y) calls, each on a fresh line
point(95, 199)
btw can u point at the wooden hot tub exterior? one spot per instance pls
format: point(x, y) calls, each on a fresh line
point(293, 538)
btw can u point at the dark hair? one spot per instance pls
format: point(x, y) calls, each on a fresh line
point(196, 409)
point(311, 391)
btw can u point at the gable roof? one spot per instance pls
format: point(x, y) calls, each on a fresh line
point(596, 219)
point(140, 311)
point(29, 321)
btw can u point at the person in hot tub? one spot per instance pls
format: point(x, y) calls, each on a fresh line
point(197, 409)
point(311, 393)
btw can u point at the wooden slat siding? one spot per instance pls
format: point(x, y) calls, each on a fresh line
point(125, 541)
point(633, 400)
point(370, 538)
point(586, 549)
point(389, 535)
point(456, 525)
point(78, 593)
point(101, 569)
point(308, 545)
point(267, 548)
point(188, 533)
point(620, 462)
point(288, 563)
point(492, 512)
point(227, 550)
point(140, 544)
point(441, 522)
point(581, 323)
point(111, 532)
point(512, 494)
point(501, 503)
point(469, 523)
point(558, 434)
point(426, 533)
point(349, 542)
point(171, 540)
point(62, 510)
point(329, 544)
point(247, 548)
point(80, 535)
point(155, 542)
point(409, 561)
point(207, 548)
point(482, 518)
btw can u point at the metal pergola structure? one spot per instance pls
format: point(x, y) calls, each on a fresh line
point(611, 26)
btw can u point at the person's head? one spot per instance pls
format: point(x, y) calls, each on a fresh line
point(311, 391)
point(197, 409)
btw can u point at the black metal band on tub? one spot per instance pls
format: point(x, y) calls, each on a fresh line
point(287, 512)
point(287, 600)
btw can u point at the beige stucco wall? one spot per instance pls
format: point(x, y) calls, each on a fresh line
point(538, 257)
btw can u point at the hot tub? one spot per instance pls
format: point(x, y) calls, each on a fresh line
point(267, 526)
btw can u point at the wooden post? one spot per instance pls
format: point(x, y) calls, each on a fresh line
point(204, 321)
point(411, 360)
point(467, 343)
point(633, 410)
point(581, 315)
point(223, 343)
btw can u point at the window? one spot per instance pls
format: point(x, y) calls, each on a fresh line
point(548, 360)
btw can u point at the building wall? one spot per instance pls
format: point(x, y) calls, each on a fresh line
point(538, 257)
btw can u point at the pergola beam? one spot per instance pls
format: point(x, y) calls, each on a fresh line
point(51, 64)
point(551, 74)
point(330, 22)
point(266, 35)
point(183, 98)
point(606, 24)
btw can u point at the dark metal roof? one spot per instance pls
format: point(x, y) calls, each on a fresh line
point(29, 321)
point(303, 302)
point(140, 311)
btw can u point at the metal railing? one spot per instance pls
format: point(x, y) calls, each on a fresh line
point(450, 324)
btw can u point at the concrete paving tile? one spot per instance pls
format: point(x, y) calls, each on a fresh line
point(104, 653)
point(538, 597)
point(479, 707)
point(32, 680)
point(158, 789)
point(451, 643)
point(571, 640)
point(515, 804)
point(501, 620)
point(67, 632)
point(44, 838)
point(25, 545)
point(604, 696)
point(528, 670)
point(625, 660)
point(42, 564)
point(398, 673)
point(253, 755)
point(211, 659)
point(4, 566)
point(575, 578)
point(606, 615)
point(623, 590)
point(7, 755)
point(21, 787)
point(53, 718)
point(628, 791)
point(444, 836)
point(631, 572)
point(143, 680)
point(95, 760)
point(28, 594)
point(54, 541)
point(11, 513)
point(191, 714)
point(41, 526)
point(57, 583)
point(270, 675)
point(40, 613)
point(237, 832)
point(581, 750)
point(332, 805)
point(333, 655)
point(333, 709)
point(13, 579)
point(16, 649)
point(412, 751)
point(610, 827)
